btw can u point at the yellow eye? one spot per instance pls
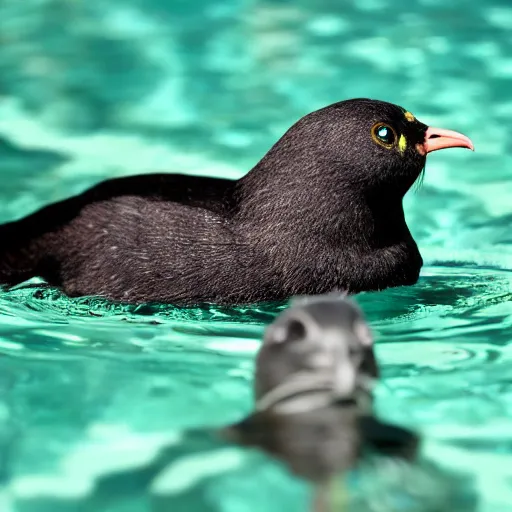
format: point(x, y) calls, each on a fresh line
point(384, 135)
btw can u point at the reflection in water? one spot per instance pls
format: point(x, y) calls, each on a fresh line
point(314, 376)
point(313, 381)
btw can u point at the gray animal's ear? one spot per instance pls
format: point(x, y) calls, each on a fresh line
point(301, 300)
point(338, 293)
point(304, 300)
point(363, 332)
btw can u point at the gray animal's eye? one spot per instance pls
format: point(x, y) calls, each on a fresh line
point(296, 331)
point(353, 351)
point(289, 332)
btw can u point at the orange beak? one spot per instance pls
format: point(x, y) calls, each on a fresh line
point(437, 138)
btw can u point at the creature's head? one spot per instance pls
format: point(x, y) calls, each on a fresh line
point(367, 144)
point(319, 351)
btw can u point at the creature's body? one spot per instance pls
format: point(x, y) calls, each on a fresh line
point(321, 211)
point(314, 376)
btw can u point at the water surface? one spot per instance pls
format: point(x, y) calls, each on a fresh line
point(99, 89)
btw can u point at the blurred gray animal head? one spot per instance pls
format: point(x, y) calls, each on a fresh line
point(317, 352)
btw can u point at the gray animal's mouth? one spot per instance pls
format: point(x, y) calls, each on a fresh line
point(304, 392)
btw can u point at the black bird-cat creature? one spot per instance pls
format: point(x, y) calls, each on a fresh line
point(321, 211)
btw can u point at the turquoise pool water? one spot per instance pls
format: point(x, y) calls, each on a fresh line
point(105, 88)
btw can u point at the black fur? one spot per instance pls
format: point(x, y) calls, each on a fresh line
point(321, 211)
